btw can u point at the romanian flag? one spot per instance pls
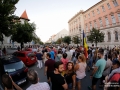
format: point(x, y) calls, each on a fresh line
point(85, 45)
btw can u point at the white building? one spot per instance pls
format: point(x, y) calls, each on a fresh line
point(60, 34)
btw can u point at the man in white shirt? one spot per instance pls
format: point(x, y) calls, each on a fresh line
point(36, 85)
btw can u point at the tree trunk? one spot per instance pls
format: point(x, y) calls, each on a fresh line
point(22, 45)
point(96, 44)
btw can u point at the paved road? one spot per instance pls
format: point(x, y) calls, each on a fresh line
point(85, 82)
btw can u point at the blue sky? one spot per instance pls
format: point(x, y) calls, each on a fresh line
point(51, 16)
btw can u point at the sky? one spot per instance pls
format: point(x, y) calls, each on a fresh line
point(51, 16)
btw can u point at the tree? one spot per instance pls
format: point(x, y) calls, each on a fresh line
point(7, 19)
point(59, 41)
point(95, 36)
point(76, 40)
point(67, 39)
point(24, 33)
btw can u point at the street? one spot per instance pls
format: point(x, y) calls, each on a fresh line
point(85, 82)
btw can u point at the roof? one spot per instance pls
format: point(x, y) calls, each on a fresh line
point(24, 16)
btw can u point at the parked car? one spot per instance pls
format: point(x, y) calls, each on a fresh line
point(28, 57)
point(32, 49)
point(14, 67)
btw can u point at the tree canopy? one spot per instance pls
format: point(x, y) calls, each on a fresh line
point(95, 36)
point(59, 41)
point(67, 39)
point(7, 17)
point(24, 33)
point(76, 39)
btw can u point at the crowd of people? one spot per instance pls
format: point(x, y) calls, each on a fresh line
point(66, 66)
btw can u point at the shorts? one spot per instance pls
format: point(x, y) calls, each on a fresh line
point(95, 80)
point(78, 80)
point(70, 86)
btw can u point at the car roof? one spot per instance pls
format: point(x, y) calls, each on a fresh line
point(9, 59)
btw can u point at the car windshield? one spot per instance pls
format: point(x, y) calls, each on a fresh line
point(31, 54)
point(13, 66)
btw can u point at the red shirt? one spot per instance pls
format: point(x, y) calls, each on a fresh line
point(50, 65)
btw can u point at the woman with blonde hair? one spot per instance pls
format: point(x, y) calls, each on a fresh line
point(80, 68)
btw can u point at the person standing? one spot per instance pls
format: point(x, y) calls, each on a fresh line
point(80, 68)
point(39, 56)
point(64, 61)
point(52, 54)
point(49, 66)
point(9, 84)
point(4, 50)
point(98, 69)
point(36, 85)
point(58, 81)
point(70, 76)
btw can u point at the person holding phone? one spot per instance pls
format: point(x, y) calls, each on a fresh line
point(9, 84)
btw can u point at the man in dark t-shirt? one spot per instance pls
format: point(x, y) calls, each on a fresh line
point(58, 81)
point(49, 66)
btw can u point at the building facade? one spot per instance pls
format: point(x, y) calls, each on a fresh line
point(60, 34)
point(105, 16)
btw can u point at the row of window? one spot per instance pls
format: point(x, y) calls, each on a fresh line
point(101, 23)
point(103, 9)
point(116, 36)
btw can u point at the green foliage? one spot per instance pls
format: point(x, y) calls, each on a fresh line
point(76, 40)
point(67, 39)
point(59, 41)
point(7, 19)
point(95, 36)
point(24, 32)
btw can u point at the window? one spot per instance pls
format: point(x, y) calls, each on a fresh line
point(86, 27)
point(116, 36)
point(108, 5)
point(90, 26)
point(98, 11)
point(93, 13)
point(115, 3)
point(106, 20)
point(109, 36)
point(119, 16)
point(100, 22)
point(14, 66)
point(89, 15)
point(113, 19)
point(103, 8)
point(95, 24)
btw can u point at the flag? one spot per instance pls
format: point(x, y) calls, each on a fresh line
point(85, 45)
